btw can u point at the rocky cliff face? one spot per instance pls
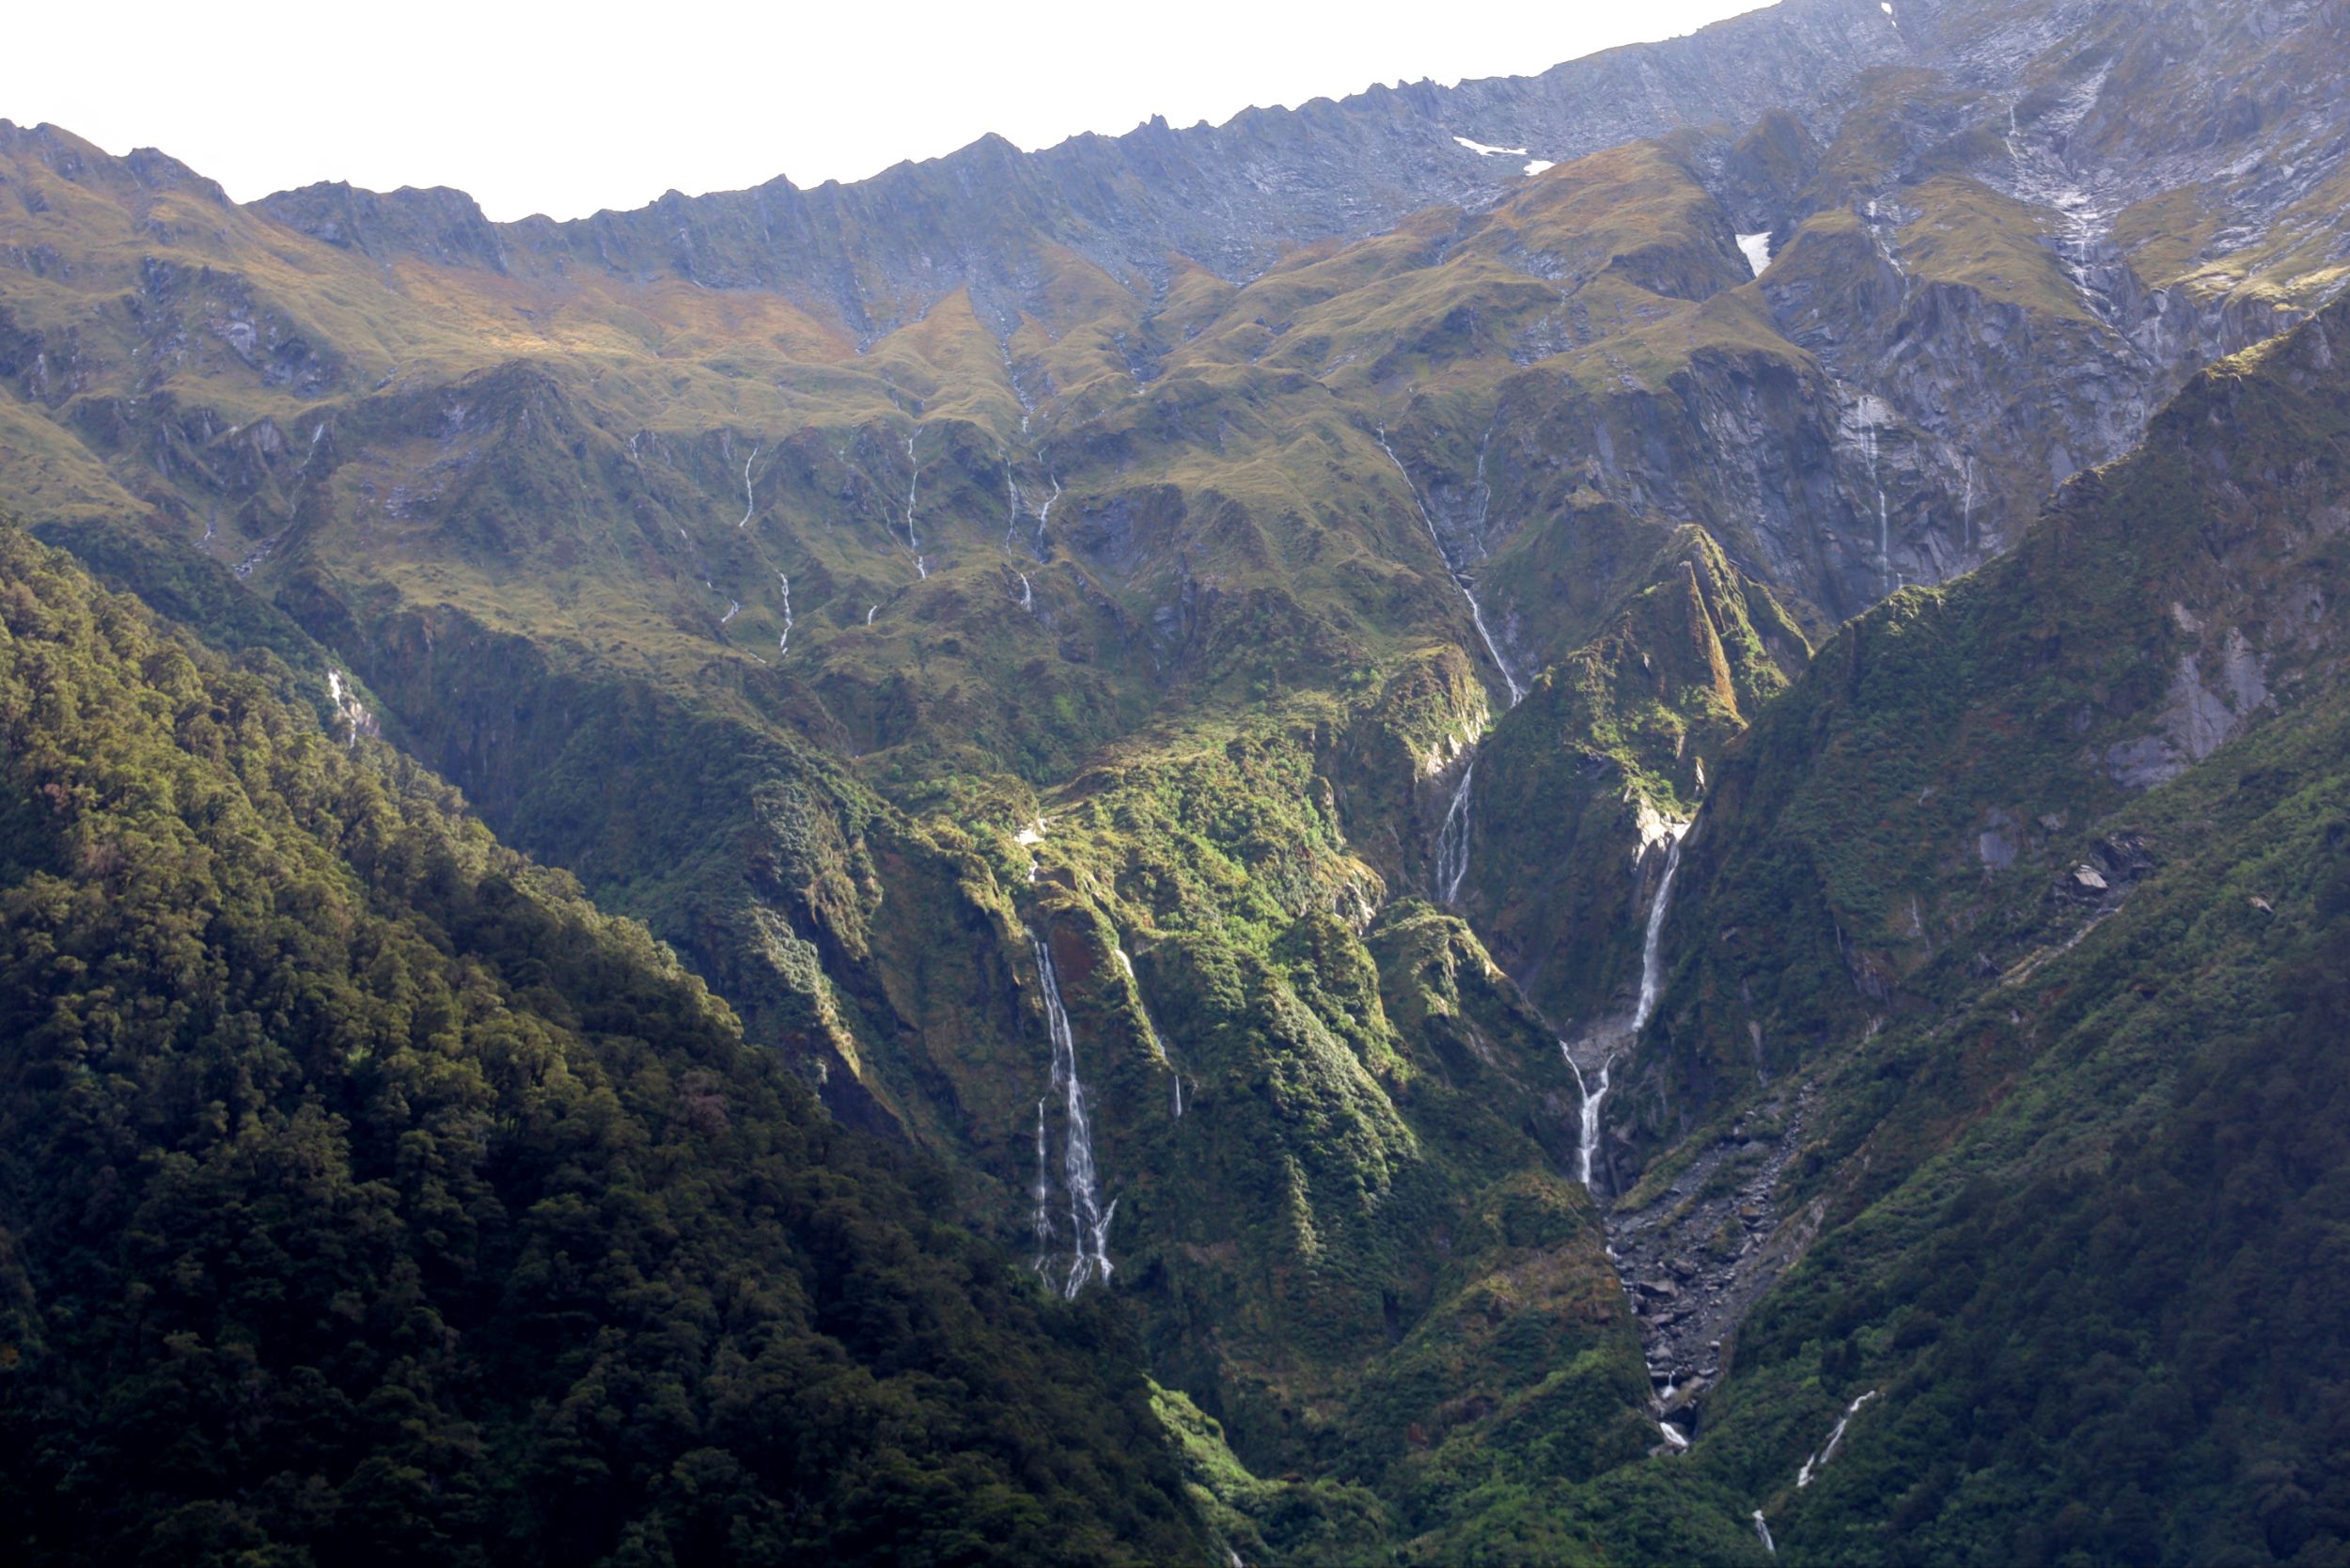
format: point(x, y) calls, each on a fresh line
point(1232, 198)
point(1297, 574)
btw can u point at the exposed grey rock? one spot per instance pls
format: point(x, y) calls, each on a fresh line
point(2202, 714)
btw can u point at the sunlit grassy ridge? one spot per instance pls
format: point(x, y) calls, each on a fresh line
point(1169, 570)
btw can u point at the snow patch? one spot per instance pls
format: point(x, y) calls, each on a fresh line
point(1758, 249)
point(1483, 150)
point(1536, 166)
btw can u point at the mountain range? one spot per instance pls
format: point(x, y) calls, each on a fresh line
point(1593, 818)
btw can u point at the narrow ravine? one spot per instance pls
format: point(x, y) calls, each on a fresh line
point(1460, 578)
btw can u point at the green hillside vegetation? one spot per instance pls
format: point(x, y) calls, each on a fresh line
point(369, 1197)
point(953, 589)
point(1952, 744)
point(2074, 1160)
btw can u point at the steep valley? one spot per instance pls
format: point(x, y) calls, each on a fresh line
point(1486, 846)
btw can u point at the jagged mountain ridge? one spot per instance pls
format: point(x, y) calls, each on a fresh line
point(1232, 198)
point(1213, 583)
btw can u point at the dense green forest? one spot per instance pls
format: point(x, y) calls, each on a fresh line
point(2105, 1324)
point(1576, 821)
point(368, 1198)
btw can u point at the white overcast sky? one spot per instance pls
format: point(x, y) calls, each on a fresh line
point(563, 109)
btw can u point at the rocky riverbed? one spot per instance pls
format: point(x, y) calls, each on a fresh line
point(1697, 1255)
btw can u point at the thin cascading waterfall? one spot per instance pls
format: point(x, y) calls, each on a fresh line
point(1587, 1141)
point(871, 611)
point(1041, 1217)
point(1460, 580)
point(1027, 598)
point(1885, 521)
point(1011, 379)
point(1966, 507)
point(783, 644)
point(1762, 1533)
point(914, 485)
point(1652, 941)
point(1643, 1008)
point(1044, 514)
point(1484, 490)
point(1089, 1219)
point(1835, 1441)
point(1151, 1027)
point(749, 504)
point(1452, 840)
point(2045, 178)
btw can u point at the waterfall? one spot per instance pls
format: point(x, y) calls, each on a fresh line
point(914, 485)
point(1835, 1438)
point(1644, 1008)
point(871, 611)
point(747, 503)
point(1011, 379)
point(1041, 1217)
point(1966, 507)
point(1452, 840)
point(1762, 1530)
point(347, 704)
point(1460, 580)
point(1674, 1436)
point(1587, 1142)
point(1151, 1026)
point(1088, 1220)
point(1885, 522)
point(784, 645)
point(1651, 945)
point(1044, 514)
point(1027, 600)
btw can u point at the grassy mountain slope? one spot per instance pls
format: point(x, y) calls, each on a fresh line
point(861, 623)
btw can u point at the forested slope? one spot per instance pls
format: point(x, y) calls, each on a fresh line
point(368, 1198)
point(2010, 995)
